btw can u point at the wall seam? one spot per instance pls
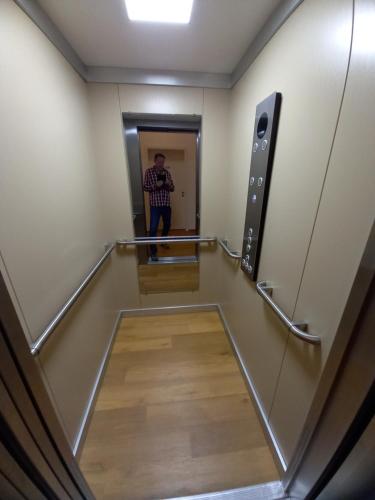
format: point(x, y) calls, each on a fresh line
point(318, 206)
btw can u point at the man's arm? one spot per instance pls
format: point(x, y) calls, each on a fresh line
point(149, 184)
point(169, 184)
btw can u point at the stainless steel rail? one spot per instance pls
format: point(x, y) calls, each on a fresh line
point(42, 339)
point(167, 239)
point(228, 251)
point(297, 329)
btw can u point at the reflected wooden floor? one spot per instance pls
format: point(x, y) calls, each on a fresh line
point(181, 249)
point(173, 416)
point(157, 278)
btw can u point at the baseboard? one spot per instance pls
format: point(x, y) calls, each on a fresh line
point(149, 311)
point(280, 461)
point(77, 448)
point(265, 491)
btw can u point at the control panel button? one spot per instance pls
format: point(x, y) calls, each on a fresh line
point(254, 198)
point(264, 144)
point(260, 181)
point(247, 258)
point(249, 240)
point(248, 248)
point(255, 147)
point(252, 180)
point(250, 232)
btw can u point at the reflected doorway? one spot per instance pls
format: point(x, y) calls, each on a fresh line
point(163, 166)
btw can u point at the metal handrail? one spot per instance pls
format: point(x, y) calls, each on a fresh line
point(297, 329)
point(51, 327)
point(233, 254)
point(166, 239)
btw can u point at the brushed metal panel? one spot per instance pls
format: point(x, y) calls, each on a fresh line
point(263, 147)
point(343, 224)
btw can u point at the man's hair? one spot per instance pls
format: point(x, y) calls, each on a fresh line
point(159, 155)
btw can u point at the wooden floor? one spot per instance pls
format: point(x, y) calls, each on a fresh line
point(180, 249)
point(173, 416)
point(156, 278)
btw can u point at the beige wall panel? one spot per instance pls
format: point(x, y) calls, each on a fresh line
point(71, 358)
point(306, 61)
point(258, 333)
point(345, 217)
point(50, 223)
point(111, 165)
point(161, 99)
point(109, 148)
point(48, 193)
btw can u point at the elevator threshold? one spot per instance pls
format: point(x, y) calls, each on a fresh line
point(173, 417)
point(170, 260)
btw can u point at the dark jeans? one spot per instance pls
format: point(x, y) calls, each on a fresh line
point(155, 214)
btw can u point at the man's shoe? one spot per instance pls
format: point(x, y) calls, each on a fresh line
point(154, 258)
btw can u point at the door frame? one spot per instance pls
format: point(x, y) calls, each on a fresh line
point(320, 451)
point(133, 123)
point(34, 437)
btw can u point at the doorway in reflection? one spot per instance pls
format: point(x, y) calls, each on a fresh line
point(163, 162)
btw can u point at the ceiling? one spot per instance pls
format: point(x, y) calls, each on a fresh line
point(217, 37)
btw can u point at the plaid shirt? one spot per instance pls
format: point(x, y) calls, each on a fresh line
point(158, 198)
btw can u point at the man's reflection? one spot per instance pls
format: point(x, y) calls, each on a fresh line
point(159, 184)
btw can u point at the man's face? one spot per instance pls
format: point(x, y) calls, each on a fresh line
point(159, 162)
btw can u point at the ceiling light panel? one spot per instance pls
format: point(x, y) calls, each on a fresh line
point(160, 11)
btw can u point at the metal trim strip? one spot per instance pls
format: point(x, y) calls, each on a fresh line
point(33, 10)
point(81, 435)
point(265, 491)
point(253, 393)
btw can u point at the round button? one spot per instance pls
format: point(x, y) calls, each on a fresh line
point(254, 198)
point(247, 258)
point(255, 147)
point(243, 262)
point(264, 144)
point(252, 181)
point(250, 231)
point(248, 248)
point(260, 181)
point(249, 268)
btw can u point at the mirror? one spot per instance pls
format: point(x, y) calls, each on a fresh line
point(163, 163)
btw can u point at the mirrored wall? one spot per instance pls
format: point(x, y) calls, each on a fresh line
point(163, 167)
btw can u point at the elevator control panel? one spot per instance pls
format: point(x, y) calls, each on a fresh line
point(263, 148)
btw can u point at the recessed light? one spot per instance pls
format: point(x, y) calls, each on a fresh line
point(160, 11)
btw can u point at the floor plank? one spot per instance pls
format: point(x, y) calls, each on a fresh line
point(173, 416)
point(158, 278)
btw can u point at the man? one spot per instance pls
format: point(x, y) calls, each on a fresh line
point(158, 182)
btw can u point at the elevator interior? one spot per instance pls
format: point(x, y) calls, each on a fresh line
point(69, 248)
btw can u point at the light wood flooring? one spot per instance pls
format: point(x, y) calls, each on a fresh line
point(157, 278)
point(179, 249)
point(173, 416)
